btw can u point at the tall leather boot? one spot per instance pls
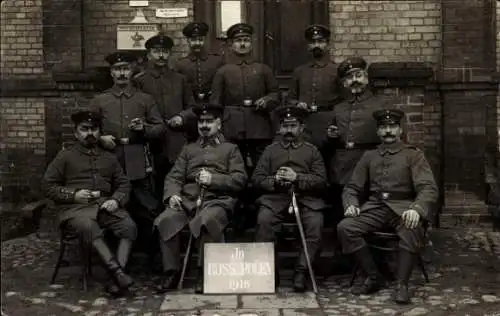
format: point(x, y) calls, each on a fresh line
point(373, 281)
point(123, 252)
point(405, 268)
point(170, 254)
point(122, 280)
point(198, 286)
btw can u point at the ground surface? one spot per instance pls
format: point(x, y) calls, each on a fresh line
point(465, 280)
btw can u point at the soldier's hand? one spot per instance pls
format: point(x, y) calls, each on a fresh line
point(204, 178)
point(288, 174)
point(260, 103)
point(108, 141)
point(110, 205)
point(410, 219)
point(302, 105)
point(175, 121)
point(352, 211)
point(83, 196)
point(136, 124)
point(175, 202)
point(332, 131)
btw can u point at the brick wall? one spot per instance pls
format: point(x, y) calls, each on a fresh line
point(397, 30)
point(21, 47)
point(101, 18)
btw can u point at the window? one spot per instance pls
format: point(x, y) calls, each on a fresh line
point(229, 13)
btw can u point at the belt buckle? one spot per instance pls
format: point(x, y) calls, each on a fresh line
point(349, 145)
point(385, 195)
point(201, 96)
point(314, 108)
point(124, 141)
point(247, 102)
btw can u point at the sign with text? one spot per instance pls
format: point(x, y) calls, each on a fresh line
point(134, 36)
point(234, 268)
point(171, 12)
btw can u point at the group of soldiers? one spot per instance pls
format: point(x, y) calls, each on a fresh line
point(197, 142)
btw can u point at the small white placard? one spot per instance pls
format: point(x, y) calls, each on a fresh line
point(138, 3)
point(134, 36)
point(171, 12)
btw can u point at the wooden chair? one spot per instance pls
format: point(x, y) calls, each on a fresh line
point(388, 242)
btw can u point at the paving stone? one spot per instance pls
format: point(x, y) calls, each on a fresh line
point(100, 301)
point(192, 301)
point(110, 313)
point(490, 298)
point(48, 294)
point(281, 300)
point(9, 294)
point(92, 313)
point(469, 301)
point(133, 310)
point(309, 312)
point(70, 307)
point(56, 286)
point(332, 312)
point(83, 302)
point(228, 312)
point(417, 311)
point(35, 300)
point(388, 311)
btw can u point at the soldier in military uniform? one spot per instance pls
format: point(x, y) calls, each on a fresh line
point(131, 120)
point(352, 130)
point(249, 93)
point(200, 191)
point(291, 162)
point(90, 190)
point(174, 98)
point(315, 85)
point(199, 67)
point(402, 191)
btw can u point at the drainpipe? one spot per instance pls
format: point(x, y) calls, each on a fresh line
point(82, 35)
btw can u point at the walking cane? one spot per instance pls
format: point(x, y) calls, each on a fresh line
point(295, 209)
point(187, 254)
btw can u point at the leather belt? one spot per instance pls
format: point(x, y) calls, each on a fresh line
point(353, 145)
point(393, 195)
point(123, 141)
point(313, 108)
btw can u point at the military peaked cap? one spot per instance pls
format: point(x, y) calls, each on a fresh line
point(291, 112)
point(351, 64)
point(120, 57)
point(239, 29)
point(194, 29)
point(159, 41)
point(207, 108)
point(317, 31)
point(95, 118)
point(388, 116)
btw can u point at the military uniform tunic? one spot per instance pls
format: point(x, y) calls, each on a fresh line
point(305, 159)
point(118, 107)
point(199, 70)
point(94, 169)
point(245, 79)
point(399, 178)
point(316, 84)
point(224, 161)
point(357, 133)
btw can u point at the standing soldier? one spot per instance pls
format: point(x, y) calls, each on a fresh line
point(200, 191)
point(174, 98)
point(249, 93)
point(352, 130)
point(402, 191)
point(315, 84)
point(199, 68)
point(130, 120)
point(88, 186)
point(290, 161)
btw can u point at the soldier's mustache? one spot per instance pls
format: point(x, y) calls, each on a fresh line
point(205, 129)
point(288, 134)
point(91, 138)
point(388, 135)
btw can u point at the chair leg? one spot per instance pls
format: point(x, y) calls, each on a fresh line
point(85, 254)
point(422, 267)
point(62, 249)
point(354, 274)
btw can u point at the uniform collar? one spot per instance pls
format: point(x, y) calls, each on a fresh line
point(94, 151)
point(158, 71)
point(239, 60)
point(363, 97)
point(390, 148)
point(128, 91)
point(202, 55)
point(320, 63)
point(213, 141)
point(293, 144)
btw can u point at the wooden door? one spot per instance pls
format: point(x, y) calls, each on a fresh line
point(279, 29)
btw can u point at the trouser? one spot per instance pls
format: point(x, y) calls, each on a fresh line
point(251, 150)
point(350, 230)
point(162, 168)
point(269, 225)
point(171, 252)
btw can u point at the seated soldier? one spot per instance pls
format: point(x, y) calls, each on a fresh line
point(200, 190)
point(402, 190)
point(288, 163)
point(88, 185)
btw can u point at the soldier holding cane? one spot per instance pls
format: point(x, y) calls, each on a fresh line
point(286, 162)
point(210, 166)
